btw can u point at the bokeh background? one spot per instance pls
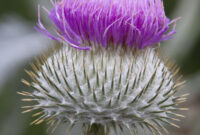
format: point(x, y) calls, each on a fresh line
point(20, 43)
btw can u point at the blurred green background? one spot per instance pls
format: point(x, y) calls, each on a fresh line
point(20, 43)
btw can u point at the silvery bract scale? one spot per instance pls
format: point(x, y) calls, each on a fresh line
point(105, 88)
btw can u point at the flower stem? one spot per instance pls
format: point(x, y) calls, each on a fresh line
point(97, 129)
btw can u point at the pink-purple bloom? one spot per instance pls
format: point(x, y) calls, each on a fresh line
point(85, 23)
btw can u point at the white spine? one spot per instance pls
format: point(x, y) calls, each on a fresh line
point(103, 87)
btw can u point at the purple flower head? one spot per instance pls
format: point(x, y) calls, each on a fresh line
point(85, 23)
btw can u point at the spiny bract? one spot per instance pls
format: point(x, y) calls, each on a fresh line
point(111, 88)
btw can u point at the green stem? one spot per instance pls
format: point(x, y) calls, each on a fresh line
point(97, 129)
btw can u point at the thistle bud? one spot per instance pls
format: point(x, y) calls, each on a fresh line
point(114, 88)
point(120, 83)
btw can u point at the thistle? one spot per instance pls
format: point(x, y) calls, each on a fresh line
point(120, 83)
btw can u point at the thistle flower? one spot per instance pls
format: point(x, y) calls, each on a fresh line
point(120, 83)
point(85, 23)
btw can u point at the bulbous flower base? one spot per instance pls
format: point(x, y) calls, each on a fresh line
point(104, 87)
